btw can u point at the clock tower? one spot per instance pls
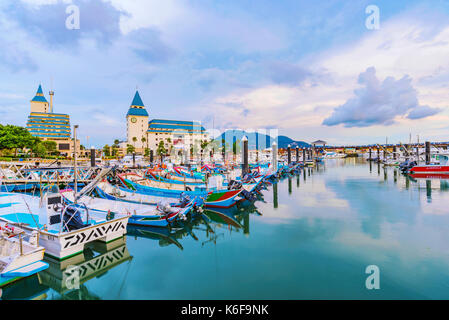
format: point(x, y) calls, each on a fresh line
point(137, 123)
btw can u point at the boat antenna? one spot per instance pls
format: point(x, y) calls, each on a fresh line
point(74, 165)
point(29, 211)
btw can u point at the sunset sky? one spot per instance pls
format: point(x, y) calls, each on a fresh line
point(311, 69)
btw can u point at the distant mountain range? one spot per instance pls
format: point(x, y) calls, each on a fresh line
point(263, 140)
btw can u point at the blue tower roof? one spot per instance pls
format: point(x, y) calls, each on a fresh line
point(137, 107)
point(39, 97)
point(137, 101)
point(137, 112)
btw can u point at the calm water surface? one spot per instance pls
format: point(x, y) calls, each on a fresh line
point(310, 236)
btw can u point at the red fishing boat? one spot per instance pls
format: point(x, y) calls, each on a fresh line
point(439, 168)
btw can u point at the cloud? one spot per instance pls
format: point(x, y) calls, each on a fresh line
point(422, 112)
point(287, 73)
point(379, 103)
point(147, 44)
point(187, 25)
point(46, 20)
point(15, 58)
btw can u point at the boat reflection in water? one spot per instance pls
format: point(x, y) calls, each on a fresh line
point(165, 236)
point(234, 219)
point(67, 277)
point(26, 289)
point(431, 181)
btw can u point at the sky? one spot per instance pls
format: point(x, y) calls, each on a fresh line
point(311, 69)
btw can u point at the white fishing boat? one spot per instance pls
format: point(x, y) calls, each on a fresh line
point(63, 229)
point(161, 214)
point(114, 192)
point(333, 155)
point(20, 254)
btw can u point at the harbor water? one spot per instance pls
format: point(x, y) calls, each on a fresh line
point(309, 236)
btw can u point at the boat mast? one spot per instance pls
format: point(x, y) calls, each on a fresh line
point(74, 165)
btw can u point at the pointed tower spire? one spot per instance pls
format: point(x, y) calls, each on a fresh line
point(39, 91)
point(137, 101)
point(39, 97)
point(137, 107)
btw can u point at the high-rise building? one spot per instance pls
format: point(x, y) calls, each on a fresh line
point(47, 125)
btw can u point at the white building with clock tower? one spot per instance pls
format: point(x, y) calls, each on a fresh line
point(178, 136)
point(137, 124)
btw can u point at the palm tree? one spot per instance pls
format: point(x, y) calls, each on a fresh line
point(106, 150)
point(130, 149)
point(134, 140)
point(143, 141)
point(161, 150)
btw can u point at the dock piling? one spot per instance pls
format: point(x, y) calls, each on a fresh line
point(245, 168)
point(92, 156)
point(274, 156)
point(427, 152)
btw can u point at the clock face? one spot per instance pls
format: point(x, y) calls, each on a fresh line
point(133, 120)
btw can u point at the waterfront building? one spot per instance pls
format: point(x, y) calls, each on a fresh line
point(177, 135)
point(47, 125)
point(137, 123)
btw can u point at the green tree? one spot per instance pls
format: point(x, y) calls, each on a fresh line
point(130, 149)
point(15, 137)
point(50, 146)
point(161, 149)
point(134, 140)
point(147, 152)
point(106, 150)
point(115, 147)
point(40, 150)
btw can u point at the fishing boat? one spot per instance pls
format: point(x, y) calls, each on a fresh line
point(108, 191)
point(213, 197)
point(439, 168)
point(333, 155)
point(176, 176)
point(160, 215)
point(139, 183)
point(19, 258)
point(63, 229)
